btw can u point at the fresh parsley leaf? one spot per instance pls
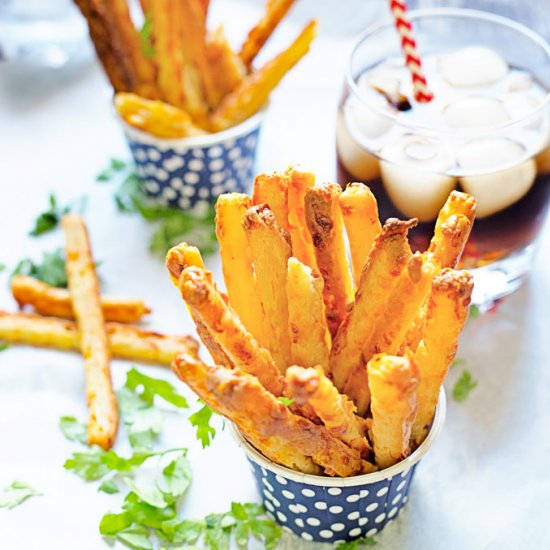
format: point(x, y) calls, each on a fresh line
point(150, 494)
point(111, 524)
point(115, 166)
point(146, 37)
point(4, 346)
point(458, 363)
point(95, 463)
point(286, 401)
point(15, 494)
point(474, 312)
point(51, 271)
point(49, 219)
point(147, 388)
point(143, 427)
point(177, 477)
point(135, 537)
point(144, 514)
point(172, 225)
point(73, 429)
point(187, 531)
point(356, 544)
point(2, 267)
point(201, 420)
point(463, 386)
point(109, 486)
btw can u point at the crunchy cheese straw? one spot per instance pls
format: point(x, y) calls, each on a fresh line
point(309, 338)
point(257, 37)
point(236, 256)
point(335, 410)
point(245, 395)
point(299, 181)
point(360, 212)
point(177, 259)
point(56, 302)
point(393, 382)
point(446, 314)
point(251, 95)
point(270, 252)
point(386, 260)
point(272, 189)
point(125, 341)
point(84, 289)
point(324, 221)
point(206, 303)
point(194, 373)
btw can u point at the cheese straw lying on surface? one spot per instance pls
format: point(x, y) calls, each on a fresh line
point(125, 341)
point(56, 302)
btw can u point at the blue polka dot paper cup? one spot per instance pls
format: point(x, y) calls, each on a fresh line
point(328, 509)
point(189, 172)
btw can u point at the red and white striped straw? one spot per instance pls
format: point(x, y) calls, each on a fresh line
point(421, 91)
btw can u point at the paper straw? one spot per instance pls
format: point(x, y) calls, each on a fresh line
point(422, 93)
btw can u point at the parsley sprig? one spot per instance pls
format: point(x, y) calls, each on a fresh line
point(51, 270)
point(463, 386)
point(172, 225)
point(149, 516)
point(15, 494)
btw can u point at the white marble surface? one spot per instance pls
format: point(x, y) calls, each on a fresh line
point(485, 483)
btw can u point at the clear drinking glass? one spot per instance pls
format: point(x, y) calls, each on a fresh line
point(486, 132)
point(48, 33)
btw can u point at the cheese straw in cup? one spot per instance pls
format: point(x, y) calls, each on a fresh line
point(486, 131)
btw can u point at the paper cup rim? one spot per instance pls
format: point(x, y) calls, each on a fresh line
point(205, 140)
point(353, 481)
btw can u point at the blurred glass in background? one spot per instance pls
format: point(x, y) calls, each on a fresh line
point(47, 33)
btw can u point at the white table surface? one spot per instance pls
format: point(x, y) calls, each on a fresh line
point(485, 483)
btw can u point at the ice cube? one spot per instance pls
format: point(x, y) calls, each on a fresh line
point(472, 66)
point(413, 172)
point(370, 117)
point(497, 189)
point(520, 105)
point(471, 112)
point(356, 160)
point(519, 81)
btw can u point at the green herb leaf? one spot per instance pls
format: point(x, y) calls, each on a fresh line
point(4, 346)
point(201, 420)
point(2, 267)
point(286, 401)
point(111, 524)
point(186, 531)
point(109, 486)
point(51, 271)
point(135, 537)
point(150, 387)
point(74, 430)
point(151, 494)
point(177, 477)
point(173, 225)
point(144, 427)
point(356, 544)
point(146, 37)
point(118, 165)
point(49, 220)
point(464, 385)
point(15, 494)
point(95, 463)
point(146, 515)
point(458, 362)
point(474, 312)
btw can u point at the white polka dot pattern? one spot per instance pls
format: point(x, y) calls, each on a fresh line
point(177, 176)
point(331, 514)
